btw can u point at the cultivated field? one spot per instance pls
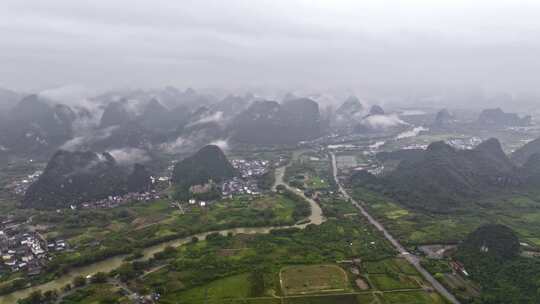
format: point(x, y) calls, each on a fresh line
point(313, 279)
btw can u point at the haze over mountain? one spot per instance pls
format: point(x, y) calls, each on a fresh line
point(114, 114)
point(521, 155)
point(498, 117)
point(443, 119)
point(72, 178)
point(443, 179)
point(268, 122)
point(33, 125)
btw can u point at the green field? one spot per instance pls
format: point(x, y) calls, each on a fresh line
point(96, 234)
point(210, 262)
point(234, 287)
point(316, 183)
point(286, 266)
point(329, 299)
point(149, 222)
point(393, 282)
point(412, 297)
point(311, 171)
point(313, 279)
point(390, 266)
point(517, 211)
point(95, 294)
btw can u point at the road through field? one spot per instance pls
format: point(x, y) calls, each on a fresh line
point(403, 252)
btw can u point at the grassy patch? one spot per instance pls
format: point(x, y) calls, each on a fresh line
point(386, 282)
point(317, 183)
point(95, 293)
point(234, 287)
point(390, 266)
point(413, 297)
point(330, 299)
point(395, 214)
point(313, 278)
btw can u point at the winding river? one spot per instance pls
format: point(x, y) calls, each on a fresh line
point(316, 217)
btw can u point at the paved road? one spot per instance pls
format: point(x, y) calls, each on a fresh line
point(403, 252)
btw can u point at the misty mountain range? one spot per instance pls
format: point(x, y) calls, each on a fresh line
point(169, 120)
point(72, 178)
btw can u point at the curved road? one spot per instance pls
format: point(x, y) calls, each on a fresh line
point(412, 259)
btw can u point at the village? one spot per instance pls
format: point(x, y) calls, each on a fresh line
point(246, 183)
point(117, 200)
point(20, 186)
point(23, 250)
point(243, 184)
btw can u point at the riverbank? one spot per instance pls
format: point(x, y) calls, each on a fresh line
point(112, 263)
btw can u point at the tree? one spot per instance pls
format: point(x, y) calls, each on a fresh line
point(126, 272)
point(99, 277)
point(50, 295)
point(34, 298)
point(66, 288)
point(256, 279)
point(79, 281)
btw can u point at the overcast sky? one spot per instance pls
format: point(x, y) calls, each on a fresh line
point(227, 43)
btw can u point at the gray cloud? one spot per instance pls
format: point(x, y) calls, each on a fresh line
point(128, 156)
point(282, 43)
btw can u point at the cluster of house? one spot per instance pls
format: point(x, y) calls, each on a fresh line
point(20, 186)
point(238, 185)
point(148, 299)
point(25, 250)
point(116, 200)
point(246, 183)
point(250, 168)
point(371, 167)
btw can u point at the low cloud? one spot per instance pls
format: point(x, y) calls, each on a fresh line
point(78, 98)
point(175, 146)
point(383, 121)
point(81, 142)
point(191, 144)
point(216, 117)
point(70, 95)
point(128, 156)
point(412, 113)
point(411, 133)
point(134, 107)
point(223, 144)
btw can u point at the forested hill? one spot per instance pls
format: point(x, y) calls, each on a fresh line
point(490, 255)
point(495, 241)
point(445, 179)
point(521, 155)
point(71, 178)
point(208, 163)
